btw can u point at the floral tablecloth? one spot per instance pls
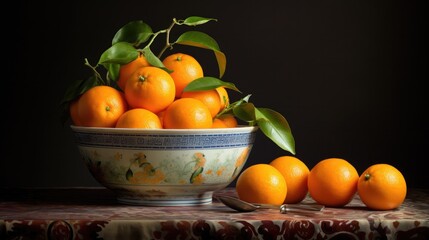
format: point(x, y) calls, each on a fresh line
point(93, 213)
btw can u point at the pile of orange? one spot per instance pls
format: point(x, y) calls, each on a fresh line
point(151, 97)
point(332, 182)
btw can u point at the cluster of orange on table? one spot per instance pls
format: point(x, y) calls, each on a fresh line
point(150, 97)
point(332, 182)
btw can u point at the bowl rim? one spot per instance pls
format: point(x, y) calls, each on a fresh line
point(238, 129)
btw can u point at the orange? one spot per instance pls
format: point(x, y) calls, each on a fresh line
point(224, 97)
point(74, 113)
point(101, 106)
point(161, 116)
point(295, 173)
point(150, 88)
point(382, 187)
point(217, 123)
point(209, 97)
point(139, 118)
point(185, 70)
point(187, 113)
point(229, 120)
point(126, 70)
point(333, 182)
point(261, 183)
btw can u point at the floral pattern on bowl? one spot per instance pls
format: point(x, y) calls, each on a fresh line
point(182, 167)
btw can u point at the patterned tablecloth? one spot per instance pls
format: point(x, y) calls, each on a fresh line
point(93, 213)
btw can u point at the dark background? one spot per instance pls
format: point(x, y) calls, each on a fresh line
point(349, 76)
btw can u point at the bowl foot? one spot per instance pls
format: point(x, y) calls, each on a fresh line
point(201, 199)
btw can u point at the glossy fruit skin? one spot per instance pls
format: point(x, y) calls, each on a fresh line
point(209, 97)
point(101, 106)
point(150, 88)
point(295, 173)
point(224, 97)
point(185, 70)
point(261, 183)
point(139, 118)
point(333, 182)
point(187, 113)
point(217, 123)
point(229, 120)
point(127, 70)
point(382, 187)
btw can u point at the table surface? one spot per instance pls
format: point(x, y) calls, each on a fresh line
point(93, 213)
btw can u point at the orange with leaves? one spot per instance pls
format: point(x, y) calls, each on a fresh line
point(150, 88)
point(185, 70)
point(127, 70)
point(224, 97)
point(101, 106)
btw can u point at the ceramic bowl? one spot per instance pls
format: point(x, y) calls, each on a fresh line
point(165, 167)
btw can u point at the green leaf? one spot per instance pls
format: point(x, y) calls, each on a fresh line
point(76, 89)
point(207, 83)
point(112, 71)
point(153, 59)
point(202, 40)
point(135, 32)
point(195, 20)
point(245, 111)
point(120, 53)
point(275, 127)
point(230, 108)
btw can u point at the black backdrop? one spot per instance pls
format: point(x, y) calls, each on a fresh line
point(348, 76)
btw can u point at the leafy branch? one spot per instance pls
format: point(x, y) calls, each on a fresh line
point(137, 37)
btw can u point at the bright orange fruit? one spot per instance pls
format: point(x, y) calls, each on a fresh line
point(333, 182)
point(185, 70)
point(382, 187)
point(126, 70)
point(229, 120)
point(101, 106)
point(150, 88)
point(295, 173)
point(209, 97)
point(187, 113)
point(139, 118)
point(261, 183)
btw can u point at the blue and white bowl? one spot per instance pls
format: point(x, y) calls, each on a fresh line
point(165, 167)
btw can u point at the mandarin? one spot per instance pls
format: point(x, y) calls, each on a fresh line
point(185, 70)
point(101, 106)
point(261, 183)
point(209, 97)
point(224, 97)
point(229, 120)
point(150, 88)
point(139, 118)
point(333, 182)
point(187, 113)
point(295, 173)
point(217, 123)
point(127, 70)
point(382, 187)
